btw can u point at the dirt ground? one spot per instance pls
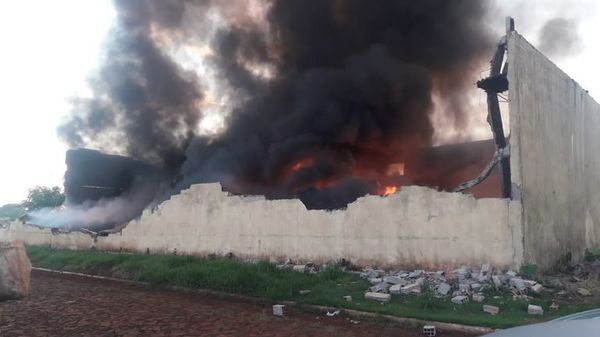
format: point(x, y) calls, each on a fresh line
point(63, 306)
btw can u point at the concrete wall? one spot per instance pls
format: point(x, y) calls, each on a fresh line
point(555, 156)
point(416, 226)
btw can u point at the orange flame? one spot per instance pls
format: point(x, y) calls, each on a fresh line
point(387, 190)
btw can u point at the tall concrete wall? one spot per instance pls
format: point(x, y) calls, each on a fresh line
point(416, 226)
point(555, 156)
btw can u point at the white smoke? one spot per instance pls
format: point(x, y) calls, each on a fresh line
point(95, 215)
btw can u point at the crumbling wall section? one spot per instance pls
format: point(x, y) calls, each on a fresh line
point(555, 156)
point(416, 226)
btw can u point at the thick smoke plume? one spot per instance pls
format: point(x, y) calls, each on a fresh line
point(559, 37)
point(320, 98)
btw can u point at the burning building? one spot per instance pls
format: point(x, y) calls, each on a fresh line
point(327, 147)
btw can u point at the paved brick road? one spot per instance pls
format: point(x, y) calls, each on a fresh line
point(72, 306)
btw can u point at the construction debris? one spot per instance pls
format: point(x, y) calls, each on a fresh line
point(429, 330)
point(279, 310)
point(460, 284)
point(478, 298)
point(490, 309)
point(460, 299)
point(535, 310)
point(379, 297)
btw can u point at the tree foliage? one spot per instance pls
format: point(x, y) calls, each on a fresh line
point(11, 211)
point(42, 197)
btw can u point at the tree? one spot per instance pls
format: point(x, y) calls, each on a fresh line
point(43, 197)
point(11, 211)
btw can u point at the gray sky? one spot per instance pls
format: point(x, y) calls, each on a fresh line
point(50, 48)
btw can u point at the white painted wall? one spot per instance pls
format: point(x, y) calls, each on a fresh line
point(555, 156)
point(416, 226)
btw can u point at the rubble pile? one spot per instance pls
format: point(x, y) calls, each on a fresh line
point(460, 285)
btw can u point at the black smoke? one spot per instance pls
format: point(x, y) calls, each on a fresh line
point(559, 37)
point(348, 92)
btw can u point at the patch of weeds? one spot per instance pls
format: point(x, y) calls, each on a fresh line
point(592, 255)
point(427, 299)
point(528, 270)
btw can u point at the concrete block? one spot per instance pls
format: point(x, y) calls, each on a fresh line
point(478, 298)
point(498, 280)
point(460, 299)
point(394, 280)
point(416, 273)
point(301, 268)
point(375, 280)
point(396, 289)
point(490, 309)
point(535, 310)
point(538, 288)
point(476, 286)
point(379, 297)
point(429, 330)
point(279, 310)
point(380, 288)
point(409, 289)
point(443, 289)
point(517, 283)
point(464, 287)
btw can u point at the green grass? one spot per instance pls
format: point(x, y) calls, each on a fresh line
point(264, 280)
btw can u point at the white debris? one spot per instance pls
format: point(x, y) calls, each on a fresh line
point(464, 288)
point(478, 298)
point(279, 310)
point(538, 288)
point(304, 292)
point(394, 280)
point(375, 280)
point(416, 273)
point(535, 310)
point(476, 286)
point(460, 299)
point(396, 289)
point(301, 268)
point(490, 309)
point(380, 288)
point(333, 313)
point(498, 282)
point(348, 298)
point(517, 283)
point(379, 297)
point(411, 288)
point(443, 289)
point(429, 330)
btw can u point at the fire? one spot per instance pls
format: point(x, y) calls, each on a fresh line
point(387, 190)
point(301, 164)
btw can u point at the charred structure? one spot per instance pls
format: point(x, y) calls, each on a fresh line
point(92, 176)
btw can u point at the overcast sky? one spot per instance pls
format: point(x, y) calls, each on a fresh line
point(50, 48)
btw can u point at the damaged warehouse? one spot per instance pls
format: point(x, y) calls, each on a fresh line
point(533, 203)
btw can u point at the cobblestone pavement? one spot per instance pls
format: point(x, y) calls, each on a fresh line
point(74, 306)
